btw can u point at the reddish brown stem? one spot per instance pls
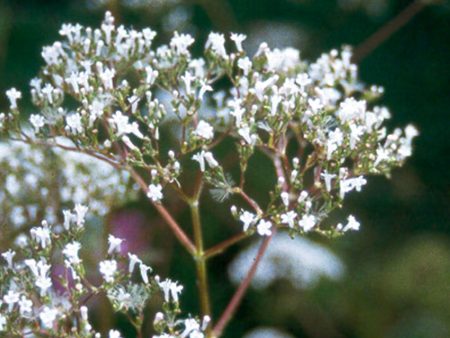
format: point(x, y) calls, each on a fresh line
point(239, 294)
point(250, 201)
point(388, 30)
point(221, 247)
point(178, 232)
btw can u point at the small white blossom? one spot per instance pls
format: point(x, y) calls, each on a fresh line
point(13, 95)
point(205, 156)
point(144, 269)
point(263, 228)
point(74, 123)
point(248, 219)
point(350, 184)
point(204, 130)
point(171, 290)
point(108, 269)
point(8, 256)
point(307, 222)
point(352, 224)
point(70, 252)
point(181, 42)
point(80, 214)
point(114, 244)
point(37, 121)
point(25, 306)
point(155, 192)
point(238, 39)
point(114, 334)
point(41, 235)
point(245, 64)
point(133, 261)
point(289, 218)
point(2, 323)
point(216, 41)
point(11, 298)
point(48, 316)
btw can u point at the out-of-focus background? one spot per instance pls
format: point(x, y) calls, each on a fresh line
point(392, 278)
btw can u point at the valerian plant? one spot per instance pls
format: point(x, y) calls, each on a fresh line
point(149, 114)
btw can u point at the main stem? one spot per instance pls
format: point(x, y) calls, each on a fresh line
point(200, 259)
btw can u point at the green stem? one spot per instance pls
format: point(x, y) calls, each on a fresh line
point(200, 259)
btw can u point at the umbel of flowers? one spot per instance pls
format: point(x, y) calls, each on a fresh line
point(34, 302)
point(109, 93)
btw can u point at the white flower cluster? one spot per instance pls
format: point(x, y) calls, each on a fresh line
point(316, 122)
point(299, 261)
point(36, 182)
point(44, 285)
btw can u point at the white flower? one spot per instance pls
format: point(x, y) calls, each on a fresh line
point(351, 109)
point(74, 123)
point(2, 323)
point(80, 212)
point(245, 64)
point(13, 95)
point(107, 77)
point(349, 184)
point(289, 218)
point(155, 192)
point(11, 298)
point(71, 252)
point(187, 80)
point(263, 228)
point(181, 42)
point(190, 325)
point(133, 261)
point(25, 306)
point(248, 219)
point(68, 218)
point(40, 270)
point(352, 224)
point(285, 198)
point(114, 244)
point(170, 290)
point(151, 75)
point(204, 130)
point(144, 269)
point(307, 222)
point(327, 178)
point(108, 268)
point(216, 42)
point(8, 256)
point(41, 235)
point(238, 39)
point(37, 121)
point(114, 334)
point(205, 155)
point(48, 316)
point(244, 132)
point(122, 125)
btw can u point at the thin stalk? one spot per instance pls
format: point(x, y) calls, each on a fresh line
point(178, 232)
point(240, 292)
point(221, 247)
point(200, 260)
point(386, 31)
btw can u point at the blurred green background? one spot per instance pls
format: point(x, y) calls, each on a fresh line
point(397, 280)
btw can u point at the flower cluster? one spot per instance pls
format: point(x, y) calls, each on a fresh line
point(316, 122)
point(36, 182)
point(45, 286)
